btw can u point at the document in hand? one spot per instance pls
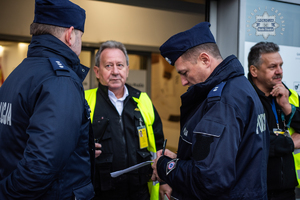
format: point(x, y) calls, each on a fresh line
point(129, 169)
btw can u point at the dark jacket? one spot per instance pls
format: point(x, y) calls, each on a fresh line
point(223, 145)
point(44, 152)
point(120, 145)
point(281, 169)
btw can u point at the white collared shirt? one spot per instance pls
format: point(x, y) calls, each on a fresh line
point(118, 103)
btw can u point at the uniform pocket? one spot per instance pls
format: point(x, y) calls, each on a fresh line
point(144, 155)
point(100, 129)
point(207, 135)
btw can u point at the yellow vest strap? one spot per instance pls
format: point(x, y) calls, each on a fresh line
point(90, 96)
point(294, 99)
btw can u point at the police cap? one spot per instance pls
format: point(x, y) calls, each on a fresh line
point(61, 13)
point(178, 44)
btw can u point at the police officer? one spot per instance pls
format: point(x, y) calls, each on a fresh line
point(44, 127)
point(222, 152)
point(126, 124)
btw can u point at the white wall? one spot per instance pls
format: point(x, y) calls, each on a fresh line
point(128, 24)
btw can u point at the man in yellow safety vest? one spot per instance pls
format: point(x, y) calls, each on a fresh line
point(128, 127)
point(283, 116)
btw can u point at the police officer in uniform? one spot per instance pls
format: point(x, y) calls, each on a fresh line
point(222, 152)
point(44, 126)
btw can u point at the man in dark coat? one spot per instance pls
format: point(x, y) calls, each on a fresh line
point(223, 145)
point(120, 119)
point(44, 126)
point(265, 74)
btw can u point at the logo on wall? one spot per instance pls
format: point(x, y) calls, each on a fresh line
point(265, 22)
point(296, 86)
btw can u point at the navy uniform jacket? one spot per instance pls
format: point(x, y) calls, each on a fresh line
point(44, 127)
point(223, 146)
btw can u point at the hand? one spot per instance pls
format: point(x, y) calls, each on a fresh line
point(296, 140)
point(282, 97)
point(155, 176)
point(97, 152)
point(168, 153)
point(164, 189)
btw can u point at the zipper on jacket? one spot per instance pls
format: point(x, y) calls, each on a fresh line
point(123, 138)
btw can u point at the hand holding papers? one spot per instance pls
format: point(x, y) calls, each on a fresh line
point(129, 169)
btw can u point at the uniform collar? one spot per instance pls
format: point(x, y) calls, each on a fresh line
point(113, 97)
point(227, 69)
point(49, 46)
point(132, 92)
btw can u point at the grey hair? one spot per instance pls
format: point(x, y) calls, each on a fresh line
point(110, 44)
point(254, 56)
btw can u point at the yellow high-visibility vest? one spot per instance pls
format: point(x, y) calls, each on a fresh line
point(293, 99)
point(146, 108)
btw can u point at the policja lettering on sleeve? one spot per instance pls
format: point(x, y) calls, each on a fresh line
point(5, 115)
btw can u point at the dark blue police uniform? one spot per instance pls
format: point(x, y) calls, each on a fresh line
point(45, 134)
point(223, 145)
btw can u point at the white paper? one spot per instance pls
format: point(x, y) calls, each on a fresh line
point(120, 172)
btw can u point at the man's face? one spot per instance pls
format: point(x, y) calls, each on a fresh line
point(191, 73)
point(113, 70)
point(270, 71)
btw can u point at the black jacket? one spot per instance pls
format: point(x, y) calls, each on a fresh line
point(120, 144)
point(44, 152)
point(223, 144)
point(281, 170)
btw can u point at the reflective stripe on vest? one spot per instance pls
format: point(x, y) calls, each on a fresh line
point(90, 96)
point(293, 99)
point(146, 108)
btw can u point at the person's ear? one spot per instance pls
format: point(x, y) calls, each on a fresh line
point(204, 58)
point(70, 36)
point(253, 71)
point(96, 70)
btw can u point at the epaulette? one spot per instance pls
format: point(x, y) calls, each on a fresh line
point(59, 68)
point(216, 92)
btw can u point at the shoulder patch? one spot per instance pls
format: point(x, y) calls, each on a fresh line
point(217, 90)
point(171, 165)
point(59, 67)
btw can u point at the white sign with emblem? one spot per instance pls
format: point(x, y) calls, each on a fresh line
point(137, 79)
